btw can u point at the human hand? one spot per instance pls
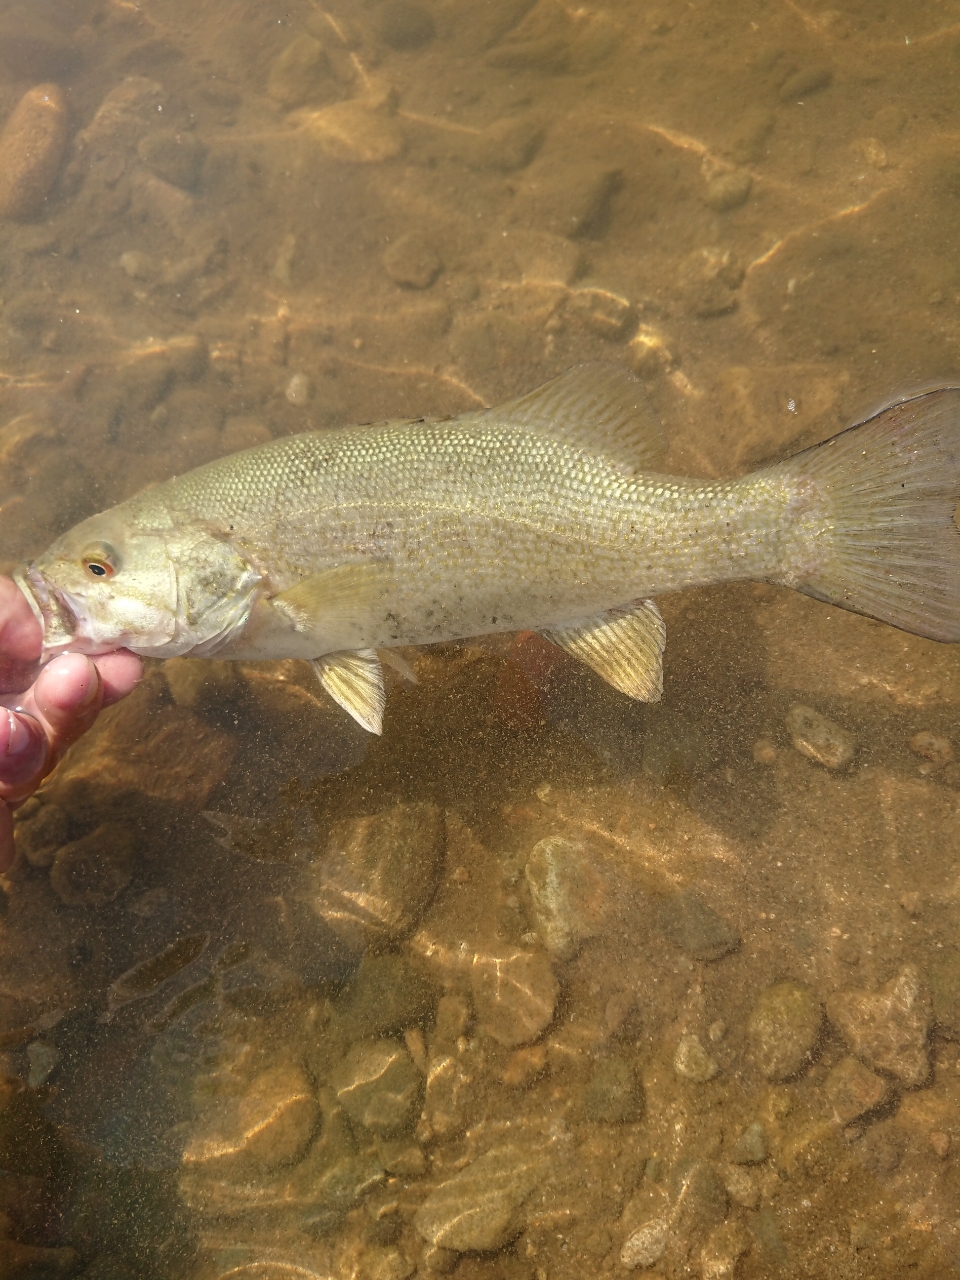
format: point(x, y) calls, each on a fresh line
point(58, 703)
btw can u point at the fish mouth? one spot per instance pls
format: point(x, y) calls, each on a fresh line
point(59, 621)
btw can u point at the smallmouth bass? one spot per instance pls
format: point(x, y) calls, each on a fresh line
point(548, 513)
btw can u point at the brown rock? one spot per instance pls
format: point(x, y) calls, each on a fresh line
point(269, 1127)
point(888, 1028)
point(380, 872)
point(515, 995)
point(853, 1089)
point(95, 869)
point(32, 146)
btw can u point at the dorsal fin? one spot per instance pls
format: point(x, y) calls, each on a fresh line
point(600, 408)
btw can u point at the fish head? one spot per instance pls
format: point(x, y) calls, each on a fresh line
point(116, 581)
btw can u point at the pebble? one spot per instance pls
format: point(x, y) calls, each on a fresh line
point(692, 1062)
point(514, 995)
point(764, 751)
point(379, 1087)
point(741, 1186)
point(405, 26)
point(174, 155)
point(647, 1245)
point(566, 895)
point(720, 1256)
point(853, 1089)
point(43, 1059)
point(412, 261)
point(708, 279)
point(544, 258)
point(728, 191)
point(752, 1146)
point(41, 835)
point(32, 147)
point(940, 1142)
point(702, 1204)
point(818, 738)
point(388, 993)
point(802, 83)
point(95, 869)
point(613, 1094)
point(268, 1127)
point(380, 872)
point(354, 132)
point(602, 311)
point(785, 1028)
point(692, 925)
point(936, 751)
point(480, 1207)
point(384, 1264)
point(299, 390)
point(888, 1028)
point(301, 73)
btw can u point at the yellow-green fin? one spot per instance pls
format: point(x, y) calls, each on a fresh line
point(624, 646)
point(600, 408)
point(355, 681)
point(344, 594)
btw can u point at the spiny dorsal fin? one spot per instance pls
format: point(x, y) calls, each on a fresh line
point(325, 599)
point(600, 408)
point(355, 681)
point(624, 646)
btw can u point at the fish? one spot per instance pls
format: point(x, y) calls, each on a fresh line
point(550, 513)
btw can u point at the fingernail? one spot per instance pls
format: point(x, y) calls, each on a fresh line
point(93, 687)
point(20, 736)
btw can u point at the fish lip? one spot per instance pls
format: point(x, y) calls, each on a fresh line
point(59, 621)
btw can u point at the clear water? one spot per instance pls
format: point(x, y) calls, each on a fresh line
point(369, 1024)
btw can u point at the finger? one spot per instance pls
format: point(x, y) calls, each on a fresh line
point(23, 753)
point(67, 696)
point(21, 636)
point(6, 838)
point(120, 674)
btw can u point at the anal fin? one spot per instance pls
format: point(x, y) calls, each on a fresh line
point(624, 646)
point(354, 680)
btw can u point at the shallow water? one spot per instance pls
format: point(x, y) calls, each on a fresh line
point(542, 982)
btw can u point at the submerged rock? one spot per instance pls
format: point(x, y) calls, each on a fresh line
point(614, 1095)
point(515, 995)
point(785, 1028)
point(692, 1061)
point(379, 1087)
point(95, 869)
point(380, 872)
point(480, 1207)
point(888, 1028)
point(269, 1126)
point(173, 155)
point(568, 894)
point(852, 1090)
point(818, 738)
point(32, 147)
point(693, 926)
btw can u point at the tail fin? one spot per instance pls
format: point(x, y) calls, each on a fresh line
point(889, 545)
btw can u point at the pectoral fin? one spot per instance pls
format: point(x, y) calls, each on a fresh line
point(326, 601)
point(624, 646)
point(355, 681)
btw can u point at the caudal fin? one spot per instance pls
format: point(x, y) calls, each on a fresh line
point(888, 544)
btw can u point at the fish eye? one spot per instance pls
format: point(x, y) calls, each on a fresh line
point(100, 561)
